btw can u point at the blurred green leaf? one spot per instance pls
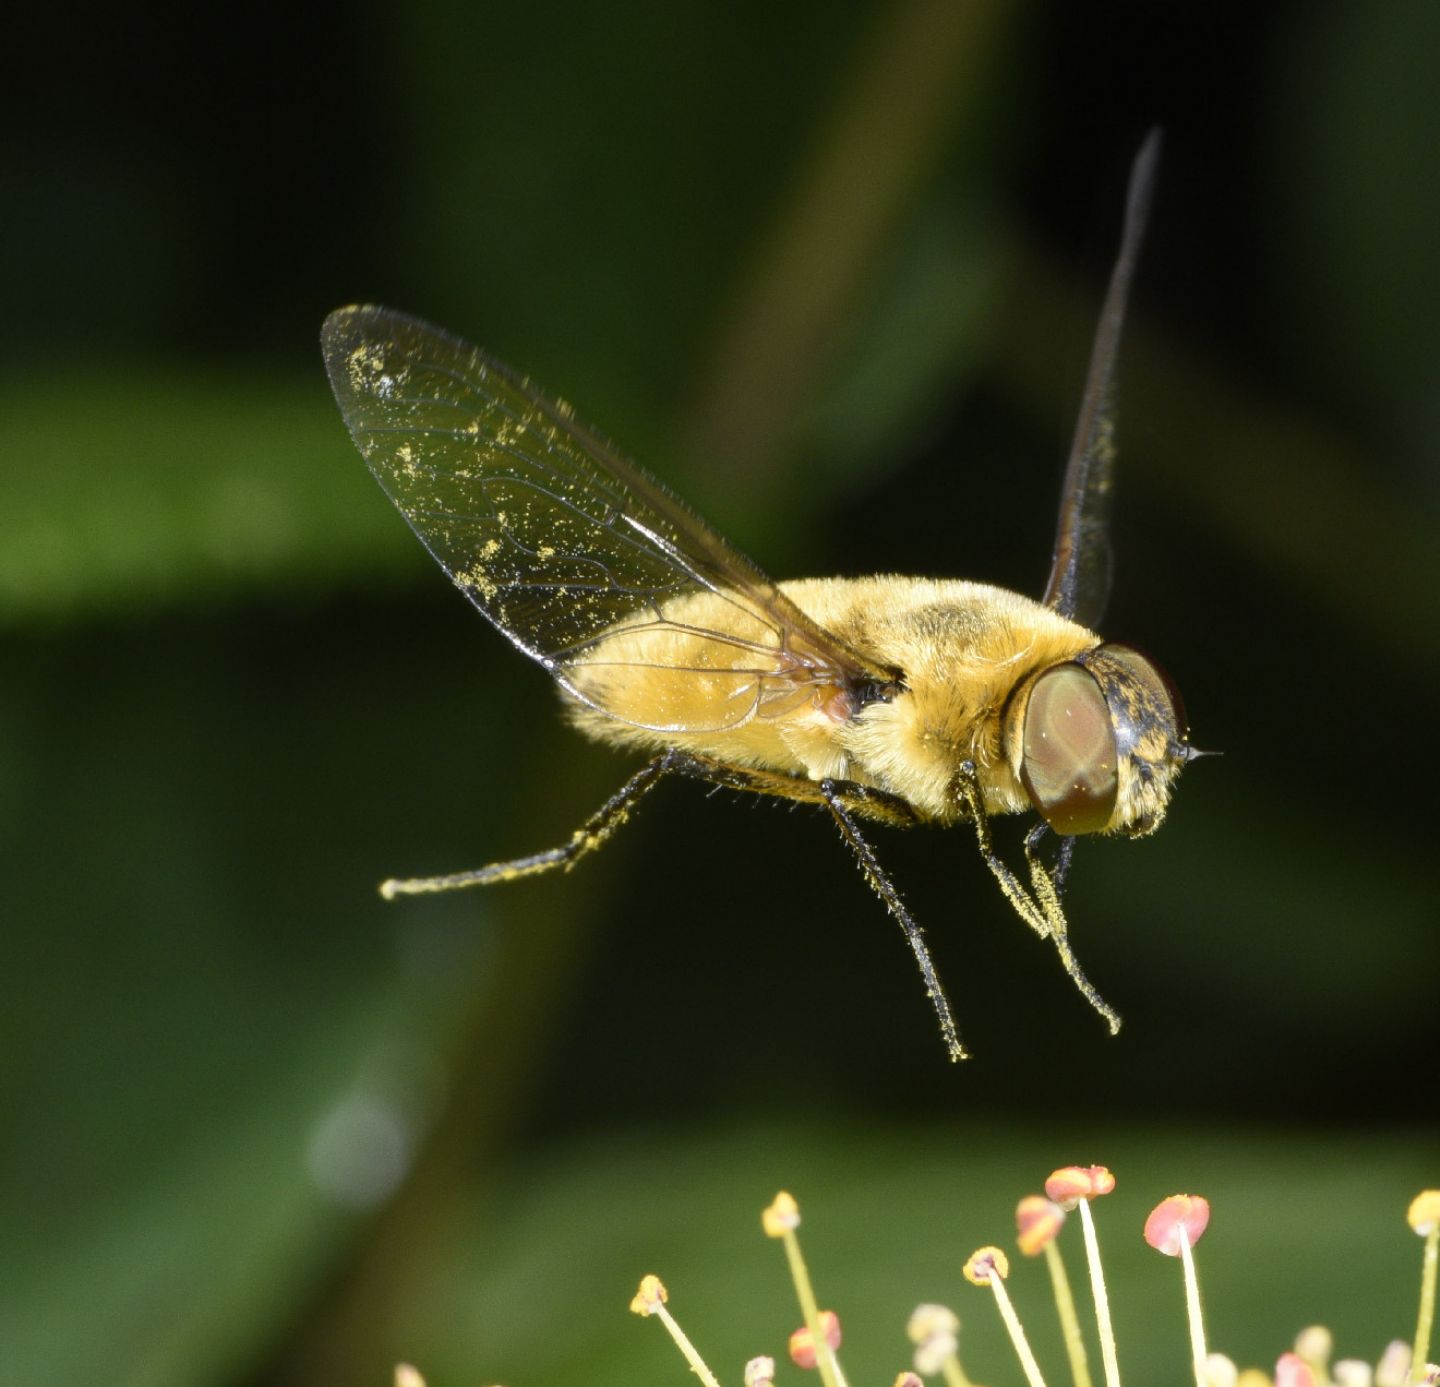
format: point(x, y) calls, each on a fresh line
point(178, 1253)
point(136, 486)
point(219, 1046)
point(1353, 102)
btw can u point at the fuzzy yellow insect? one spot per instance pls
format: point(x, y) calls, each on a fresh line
point(898, 700)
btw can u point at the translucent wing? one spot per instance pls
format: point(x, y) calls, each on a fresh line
point(557, 539)
point(1080, 572)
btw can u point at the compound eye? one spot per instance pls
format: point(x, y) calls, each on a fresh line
point(1069, 762)
point(1157, 688)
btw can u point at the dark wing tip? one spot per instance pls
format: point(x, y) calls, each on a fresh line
point(341, 320)
point(1080, 570)
point(358, 323)
point(347, 325)
point(341, 331)
point(356, 341)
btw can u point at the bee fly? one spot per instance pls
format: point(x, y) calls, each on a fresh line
point(900, 701)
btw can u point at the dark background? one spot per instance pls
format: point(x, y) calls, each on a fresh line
point(831, 271)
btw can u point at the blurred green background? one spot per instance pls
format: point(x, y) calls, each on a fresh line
point(831, 270)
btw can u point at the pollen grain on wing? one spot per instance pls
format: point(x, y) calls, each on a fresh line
point(409, 467)
point(361, 362)
point(475, 577)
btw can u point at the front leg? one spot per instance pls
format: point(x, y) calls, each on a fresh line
point(1061, 870)
point(972, 801)
point(1039, 907)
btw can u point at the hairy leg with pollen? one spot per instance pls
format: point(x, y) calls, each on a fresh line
point(844, 799)
point(1039, 907)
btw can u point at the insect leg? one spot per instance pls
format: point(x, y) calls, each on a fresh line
point(1048, 892)
point(592, 834)
point(844, 800)
point(1061, 869)
point(836, 796)
point(859, 799)
point(968, 787)
point(1041, 910)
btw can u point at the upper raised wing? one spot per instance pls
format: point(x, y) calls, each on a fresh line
point(556, 538)
point(1081, 569)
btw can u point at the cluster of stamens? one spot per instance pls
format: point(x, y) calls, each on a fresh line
point(1173, 1228)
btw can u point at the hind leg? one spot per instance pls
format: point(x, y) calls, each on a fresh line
point(844, 799)
point(594, 833)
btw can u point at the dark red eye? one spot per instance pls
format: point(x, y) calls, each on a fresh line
point(1069, 757)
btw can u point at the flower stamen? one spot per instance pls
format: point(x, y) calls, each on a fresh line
point(1073, 1186)
point(780, 1220)
point(1423, 1216)
point(935, 1332)
point(650, 1300)
point(1172, 1228)
point(1037, 1226)
point(988, 1266)
point(760, 1371)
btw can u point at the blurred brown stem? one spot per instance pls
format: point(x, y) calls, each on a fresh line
point(363, 1322)
point(911, 86)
